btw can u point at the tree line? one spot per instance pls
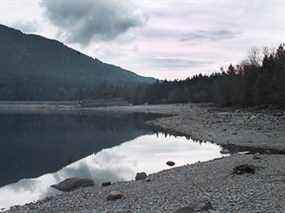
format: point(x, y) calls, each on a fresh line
point(259, 80)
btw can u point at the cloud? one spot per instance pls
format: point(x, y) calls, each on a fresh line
point(191, 35)
point(26, 26)
point(176, 31)
point(177, 63)
point(210, 35)
point(86, 20)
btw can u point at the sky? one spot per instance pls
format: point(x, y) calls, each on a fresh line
point(166, 39)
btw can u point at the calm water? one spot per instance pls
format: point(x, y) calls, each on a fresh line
point(40, 150)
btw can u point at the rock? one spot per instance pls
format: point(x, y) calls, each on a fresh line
point(278, 114)
point(115, 195)
point(106, 184)
point(170, 163)
point(256, 157)
point(185, 210)
point(72, 184)
point(205, 206)
point(199, 207)
point(148, 179)
point(141, 176)
point(225, 151)
point(244, 169)
point(252, 117)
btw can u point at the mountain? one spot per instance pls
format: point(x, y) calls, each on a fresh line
point(36, 68)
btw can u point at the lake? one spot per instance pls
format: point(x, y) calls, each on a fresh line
point(40, 150)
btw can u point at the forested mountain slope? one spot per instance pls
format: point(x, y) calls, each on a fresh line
point(35, 68)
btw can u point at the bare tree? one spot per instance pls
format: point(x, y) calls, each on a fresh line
point(255, 57)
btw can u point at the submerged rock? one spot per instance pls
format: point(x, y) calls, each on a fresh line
point(170, 163)
point(141, 176)
point(72, 184)
point(244, 169)
point(115, 195)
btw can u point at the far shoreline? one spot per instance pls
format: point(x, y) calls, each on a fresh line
point(234, 129)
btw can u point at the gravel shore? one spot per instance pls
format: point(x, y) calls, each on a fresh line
point(263, 128)
point(211, 184)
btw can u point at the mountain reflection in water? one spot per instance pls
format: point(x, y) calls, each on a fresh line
point(33, 145)
point(103, 148)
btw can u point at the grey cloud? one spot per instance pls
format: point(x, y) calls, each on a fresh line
point(192, 35)
point(85, 20)
point(211, 35)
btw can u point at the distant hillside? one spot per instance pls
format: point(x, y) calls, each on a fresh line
point(35, 68)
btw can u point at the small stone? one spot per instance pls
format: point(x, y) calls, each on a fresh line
point(278, 114)
point(170, 163)
point(115, 195)
point(256, 157)
point(206, 206)
point(141, 176)
point(185, 210)
point(225, 151)
point(198, 207)
point(148, 179)
point(252, 117)
point(267, 151)
point(106, 184)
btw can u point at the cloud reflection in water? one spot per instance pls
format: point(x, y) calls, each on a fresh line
point(148, 153)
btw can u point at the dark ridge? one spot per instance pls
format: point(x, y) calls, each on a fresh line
point(34, 68)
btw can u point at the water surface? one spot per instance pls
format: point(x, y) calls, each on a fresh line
point(42, 150)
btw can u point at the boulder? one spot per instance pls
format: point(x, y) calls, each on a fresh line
point(72, 184)
point(115, 195)
point(244, 169)
point(141, 176)
point(170, 163)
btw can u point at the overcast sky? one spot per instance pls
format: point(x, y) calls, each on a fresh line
point(160, 38)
